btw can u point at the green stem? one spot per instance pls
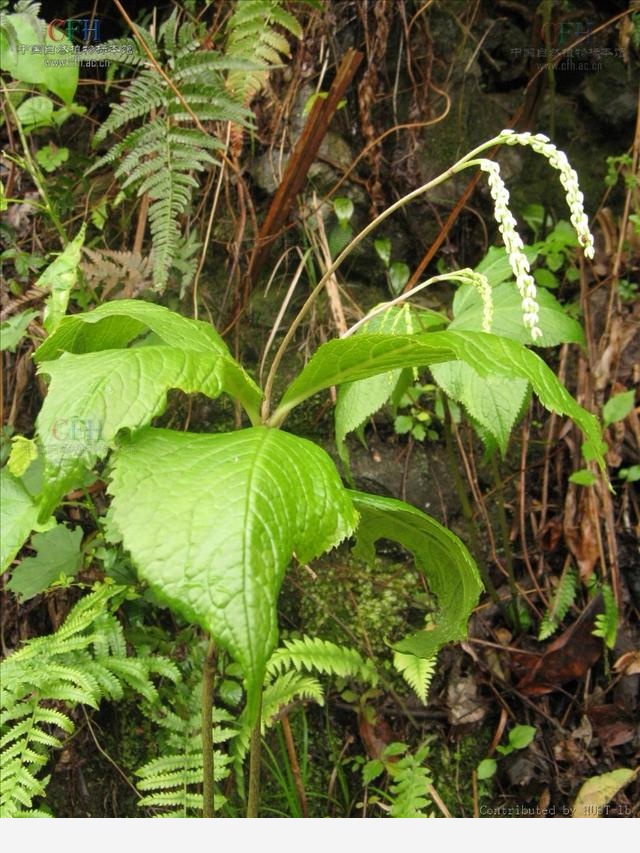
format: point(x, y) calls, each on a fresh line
point(254, 765)
point(457, 167)
point(208, 675)
point(35, 173)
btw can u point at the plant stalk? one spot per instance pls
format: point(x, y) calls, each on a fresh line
point(208, 675)
point(254, 765)
point(457, 167)
point(295, 766)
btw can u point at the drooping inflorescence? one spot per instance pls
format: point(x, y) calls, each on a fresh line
point(514, 246)
point(568, 178)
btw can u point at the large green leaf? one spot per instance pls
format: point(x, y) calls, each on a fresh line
point(212, 521)
point(357, 401)
point(557, 327)
point(94, 395)
point(18, 517)
point(495, 402)
point(116, 324)
point(22, 32)
point(58, 553)
point(449, 569)
point(361, 356)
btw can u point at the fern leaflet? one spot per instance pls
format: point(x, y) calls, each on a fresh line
point(563, 598)
point(417, 672)
point(607, 623)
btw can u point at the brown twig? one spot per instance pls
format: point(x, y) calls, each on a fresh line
point(303, 155)
point(295, 766)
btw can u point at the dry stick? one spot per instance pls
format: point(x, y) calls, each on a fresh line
point(437, 799)
point(333, 291)
point(467, 512)
point(207, 239)
point(295, 766)
point(303, 155)
point(522, 492)
point(106, 755)
point(607, 502)
point(506, 544)
point(208, 768)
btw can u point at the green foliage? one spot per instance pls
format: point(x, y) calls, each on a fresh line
point(171, 784)
point(59, 278)
point(606, 624)
point(519, 738)
point(160, 155)
point(562, 600)
point(253, 40)
point(94, 395)
point(618, 407)
point(417, 672)
point(316, 655)
point(410, 780)
point(557, 327)
point(447, 566)
point(84, 662)
point(13, 330)
point(365, 355)
point(51, 157)
point(24, 29)
point(357, 401)
point(58, 556)
point(19, 517)
point(275, 495)
point(23, 452)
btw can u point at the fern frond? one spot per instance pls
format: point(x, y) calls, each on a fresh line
point(171, 781)
point(252, 37)
point(146, 93)
point(315, 655)
point(409, 787)
point(286, 688)
point(606, 624)
point(84, 662)
point(417, 672)
point(562, 600)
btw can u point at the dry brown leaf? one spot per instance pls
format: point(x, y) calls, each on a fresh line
point(566, 659)
point(628, 664)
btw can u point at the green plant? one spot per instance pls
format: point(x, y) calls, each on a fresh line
point(409, 780)
point(213, 520)
point(519, 738)
point(83, 663)
point(607, 622)
point(397, 271)
point(562, 600)
point(180, 87)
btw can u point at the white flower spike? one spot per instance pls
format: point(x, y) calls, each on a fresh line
point(568, 178)
point(514, 246)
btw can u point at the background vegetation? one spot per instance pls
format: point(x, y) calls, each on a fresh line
point(215, 164)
